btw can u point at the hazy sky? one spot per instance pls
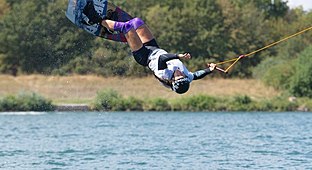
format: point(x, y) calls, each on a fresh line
point(306, 4)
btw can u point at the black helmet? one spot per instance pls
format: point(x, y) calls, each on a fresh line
point(181, 86)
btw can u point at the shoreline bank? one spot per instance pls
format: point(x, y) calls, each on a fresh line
point(83, 89)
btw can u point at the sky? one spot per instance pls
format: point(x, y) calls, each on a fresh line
point(306, 4)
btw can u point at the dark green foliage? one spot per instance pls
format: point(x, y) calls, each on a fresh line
point(292, 74)
point(279, 76)
point(305, 104)
point(195, 26)
point(277, 104)
point(133, 104)
point(111, 100)
point(282, 104)
point(157, 104)
point(108, 100)
point(261, 71)
point(282, 69)
point(196, 103)
point(275, 8)
point(301, 81)
point(240, 103)
point(12, 2)
point(35, 37)
point(25, 102)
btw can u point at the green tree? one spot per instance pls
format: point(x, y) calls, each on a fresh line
point(283, 55)
point(36, 38)
point(271, 8)
point(195, 26)
point(246, 34)
point(11, 2)
point(301, 81)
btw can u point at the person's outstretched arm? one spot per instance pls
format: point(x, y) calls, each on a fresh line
point(202, 73)
point(166, 57)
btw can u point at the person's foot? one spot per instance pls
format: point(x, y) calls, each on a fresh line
point(91, 13)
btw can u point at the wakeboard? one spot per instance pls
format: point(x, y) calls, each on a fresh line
point(106, 10)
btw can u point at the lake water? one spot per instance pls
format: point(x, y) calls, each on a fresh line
point(152, 140)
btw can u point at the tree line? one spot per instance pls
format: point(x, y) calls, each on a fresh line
point(36, 37)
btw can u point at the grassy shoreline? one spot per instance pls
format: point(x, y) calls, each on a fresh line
point(79, 89)
point(37, 92)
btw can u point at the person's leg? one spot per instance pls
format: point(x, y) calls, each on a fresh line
point(140, 52)
point(145, 34)
point(134, 41)
point(132, 37)
point(142, 29)
point(139, 26)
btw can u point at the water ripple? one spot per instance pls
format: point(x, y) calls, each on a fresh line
point(155, 141)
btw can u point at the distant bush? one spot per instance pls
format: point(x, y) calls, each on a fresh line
point(110, 100)
point(133, 104)
point(282, 104)
point(157, 104)
point(301, 81)
point(195, 103)
point(305, 104)
point(292, 75)
point(245, 103)
point(240, 103)
point(279, 76)
point(25, 102)
point(264, 105)
point(261, 70)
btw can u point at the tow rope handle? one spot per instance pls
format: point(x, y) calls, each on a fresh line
point(220, 69)
point(227, 69)
point(256, 51)
point(240, 57)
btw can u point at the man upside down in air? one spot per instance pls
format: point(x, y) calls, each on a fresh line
point(167, 68)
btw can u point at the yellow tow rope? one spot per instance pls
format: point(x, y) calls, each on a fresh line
point(256, 51)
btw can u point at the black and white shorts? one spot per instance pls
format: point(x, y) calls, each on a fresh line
point(141, 55)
